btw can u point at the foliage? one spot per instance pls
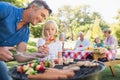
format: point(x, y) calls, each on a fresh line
point(19, 3)
point(31, 47)
point(36, 31)
point(73, 20)
point(118, 16)
point(117, 33)
point(32, 43)
point(96, 29)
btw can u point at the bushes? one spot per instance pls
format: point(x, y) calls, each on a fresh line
point(118, 34)
point(36, 31)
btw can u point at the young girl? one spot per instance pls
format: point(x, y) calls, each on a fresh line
point(98, 42)
point(55, 47)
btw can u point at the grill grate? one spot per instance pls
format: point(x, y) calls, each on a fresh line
point(83, 72)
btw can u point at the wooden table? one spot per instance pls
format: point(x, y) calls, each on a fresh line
point(111, 62)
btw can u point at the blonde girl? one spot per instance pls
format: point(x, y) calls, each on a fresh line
point(55, 47)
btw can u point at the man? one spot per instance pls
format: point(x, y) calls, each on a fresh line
point(82, 43)
point(14, 30)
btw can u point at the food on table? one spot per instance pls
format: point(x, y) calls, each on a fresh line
point(99, 50)
point(68, 60)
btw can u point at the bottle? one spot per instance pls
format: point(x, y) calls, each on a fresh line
point(60, 61)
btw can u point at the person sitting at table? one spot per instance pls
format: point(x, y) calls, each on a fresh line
point(55, 47)
point(82, 43)
point(98, 43)
point(110, 42)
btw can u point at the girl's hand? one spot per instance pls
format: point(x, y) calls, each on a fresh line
point(43, 49)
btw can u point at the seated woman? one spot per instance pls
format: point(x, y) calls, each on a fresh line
point(98, 42)
point(55, 47)
point(82, 43)
point(62, 38)
point(110, 42)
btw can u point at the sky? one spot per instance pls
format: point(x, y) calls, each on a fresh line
point(107, 8)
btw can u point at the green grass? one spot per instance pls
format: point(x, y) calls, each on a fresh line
point(106, 74)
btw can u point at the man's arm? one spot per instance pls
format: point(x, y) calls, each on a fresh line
point(21, 47)
point(23, 56)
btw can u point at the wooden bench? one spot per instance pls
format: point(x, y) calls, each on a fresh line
point(109, 64)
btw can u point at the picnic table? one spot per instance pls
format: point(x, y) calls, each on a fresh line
point(76, 54)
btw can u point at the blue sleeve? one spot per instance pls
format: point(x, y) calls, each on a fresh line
point(4, 10)
point(26, 35)
point(26, 39)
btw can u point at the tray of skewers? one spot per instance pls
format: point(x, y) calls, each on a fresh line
point(52, 70)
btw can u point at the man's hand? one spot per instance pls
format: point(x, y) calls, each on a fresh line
point(5, 54)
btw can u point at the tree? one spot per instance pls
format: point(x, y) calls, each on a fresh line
point(78, 17)
point(36, 31)
point(19, 3)
point(96, 29)
point(117, 33)
point(118, 16)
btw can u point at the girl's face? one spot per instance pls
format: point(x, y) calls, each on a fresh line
point(49, 31)
point(97, 40)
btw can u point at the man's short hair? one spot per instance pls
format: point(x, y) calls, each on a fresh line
point(80, 33)
point(40, 4)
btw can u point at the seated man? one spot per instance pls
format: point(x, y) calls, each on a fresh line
point(82, 43)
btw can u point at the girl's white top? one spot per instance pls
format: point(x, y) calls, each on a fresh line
point(54, 48)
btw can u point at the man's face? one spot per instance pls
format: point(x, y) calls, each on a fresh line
point(38, 16)
point(81, 36)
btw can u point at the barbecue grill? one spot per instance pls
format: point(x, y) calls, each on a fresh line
point(85, 73)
